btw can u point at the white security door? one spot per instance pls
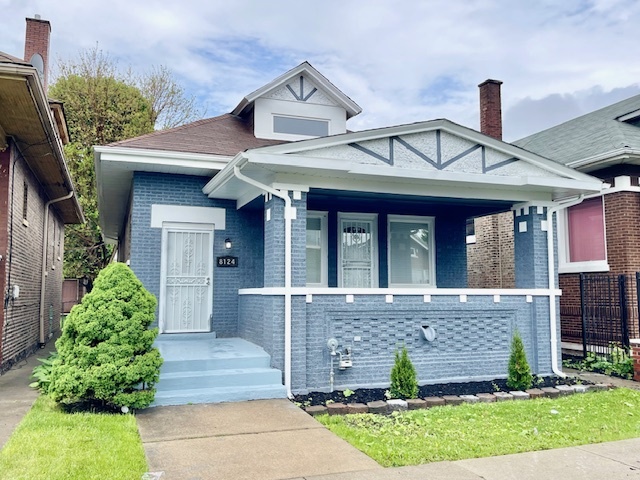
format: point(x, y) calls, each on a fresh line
point(187, 291)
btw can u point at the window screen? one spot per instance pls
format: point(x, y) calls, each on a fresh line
point(410, 245)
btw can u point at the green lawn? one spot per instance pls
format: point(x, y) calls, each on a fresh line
point(488, 429)
point(52, 445)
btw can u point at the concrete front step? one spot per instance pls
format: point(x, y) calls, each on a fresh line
point(245, 377)
point(199, 368)
point(218, 395)
point(188, 353)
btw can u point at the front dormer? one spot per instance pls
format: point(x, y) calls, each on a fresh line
point(299, 105)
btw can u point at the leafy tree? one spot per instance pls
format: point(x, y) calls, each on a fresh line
point(170, 107)
point(404, 383)
point(103, 106)
point(105, 353)
point(519, 373)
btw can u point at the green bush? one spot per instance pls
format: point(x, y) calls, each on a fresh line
point(42, 373)
point(519, 377)
point(404, 383)
point(105, 350)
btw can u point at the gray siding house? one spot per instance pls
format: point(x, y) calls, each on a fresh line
point(290, 255)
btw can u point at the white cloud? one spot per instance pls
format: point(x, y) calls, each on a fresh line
point(402, 61)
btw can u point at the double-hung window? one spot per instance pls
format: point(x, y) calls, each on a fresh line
point(581, 243)
point(317, 249)
point(411, 251)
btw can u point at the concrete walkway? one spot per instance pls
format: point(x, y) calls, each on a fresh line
point(275, 440)
point(16, 397)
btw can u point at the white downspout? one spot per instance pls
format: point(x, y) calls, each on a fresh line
point(553, 321)
point(43, 273)
point(287, 269)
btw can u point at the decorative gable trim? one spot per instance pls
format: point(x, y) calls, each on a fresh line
point(322, 84)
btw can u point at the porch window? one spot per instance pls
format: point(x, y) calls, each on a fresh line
point(583, 248)
point(358, 250)
point(411, 251)
point(317, 249)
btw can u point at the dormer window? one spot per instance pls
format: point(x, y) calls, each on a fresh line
point(300, 126)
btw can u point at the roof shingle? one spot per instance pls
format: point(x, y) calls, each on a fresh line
point(593, 134)
point(223, 135)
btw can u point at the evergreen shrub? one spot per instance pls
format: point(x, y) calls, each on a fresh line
point(519, 372)
point(105, 350)
point(404, 383)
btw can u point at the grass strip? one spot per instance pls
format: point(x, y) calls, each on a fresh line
point(489, 429)
point(53, 445)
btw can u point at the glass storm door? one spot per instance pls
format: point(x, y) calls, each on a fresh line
point(357, 252)
point(187, 289)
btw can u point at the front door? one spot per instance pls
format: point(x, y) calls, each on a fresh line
point(186, 287)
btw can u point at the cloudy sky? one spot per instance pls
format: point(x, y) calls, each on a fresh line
point(400, 60)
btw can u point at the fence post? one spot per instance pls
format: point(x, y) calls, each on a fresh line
point(583, 312)
point(624, 326)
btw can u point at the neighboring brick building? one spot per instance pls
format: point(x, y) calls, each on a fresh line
point(357, 237)
point(600, 234)
point(35, 201)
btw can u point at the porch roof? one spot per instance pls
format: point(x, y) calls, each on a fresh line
point(435, 159)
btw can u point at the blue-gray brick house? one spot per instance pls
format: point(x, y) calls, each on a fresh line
point(289, 254)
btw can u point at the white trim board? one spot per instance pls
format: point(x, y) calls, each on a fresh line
point(482, 292)
point(161, 214)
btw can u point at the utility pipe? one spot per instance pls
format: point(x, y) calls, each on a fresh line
point(553, 321)
point(45, 237)
point(287, 269)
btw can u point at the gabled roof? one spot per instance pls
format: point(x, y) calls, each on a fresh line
point(305, 68)
point(590, 138)
point(437, 158)
point(223, 135)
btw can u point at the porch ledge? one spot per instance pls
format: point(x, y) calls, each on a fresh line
point(534, 292)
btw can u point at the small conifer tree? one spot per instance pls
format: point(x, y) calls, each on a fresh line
point(105, 350)
point(519, 375)
point(404, 383)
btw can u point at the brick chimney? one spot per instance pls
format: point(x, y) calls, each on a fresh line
point(491, 108)
point(36, 46)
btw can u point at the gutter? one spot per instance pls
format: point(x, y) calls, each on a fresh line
point(43, 273)
point(288, 214)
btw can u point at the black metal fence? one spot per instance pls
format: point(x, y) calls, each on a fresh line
point(608, 311)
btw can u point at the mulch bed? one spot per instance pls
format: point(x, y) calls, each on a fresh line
point(365, 395)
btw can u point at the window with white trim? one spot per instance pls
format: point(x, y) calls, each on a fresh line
point(357, 250)
point(411, 251)
point(582, 239)
point(317, 249)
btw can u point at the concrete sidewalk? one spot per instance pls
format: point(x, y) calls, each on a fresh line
point(273, 439)
point(16, 397)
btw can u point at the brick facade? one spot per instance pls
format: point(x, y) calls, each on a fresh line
point(243, 227)
point(491, 108)
point(22, 253)
point(491, 259)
